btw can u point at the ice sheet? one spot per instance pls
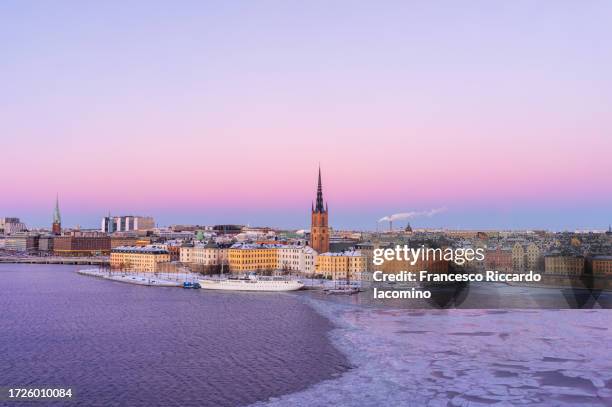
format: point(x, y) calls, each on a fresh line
point(466, 358)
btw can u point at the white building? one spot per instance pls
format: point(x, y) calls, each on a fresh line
point(21, 242)
point(130, 223)
point(297, 258)
point(209, 254)
point(11, 225)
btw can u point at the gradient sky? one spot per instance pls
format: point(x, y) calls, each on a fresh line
point(213, 112)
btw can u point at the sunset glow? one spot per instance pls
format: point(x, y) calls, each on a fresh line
point(215, 113)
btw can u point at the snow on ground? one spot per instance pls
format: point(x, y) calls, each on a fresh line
point(138, 279)
point(466, 358)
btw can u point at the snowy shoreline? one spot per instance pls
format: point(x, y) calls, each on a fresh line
point(128, 278)
point(464, 358)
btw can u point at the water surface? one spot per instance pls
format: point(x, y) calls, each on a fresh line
point(119, 344)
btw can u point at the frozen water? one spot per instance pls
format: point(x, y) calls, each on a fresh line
point(466, 358)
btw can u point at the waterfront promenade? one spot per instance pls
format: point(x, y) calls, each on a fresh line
point(98, 260)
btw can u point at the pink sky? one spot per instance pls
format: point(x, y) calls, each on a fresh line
point(224, 110)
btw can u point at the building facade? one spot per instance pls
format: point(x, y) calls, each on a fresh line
point(145, 259)
point(246, 257)
point(111, 224)
point(499, 259)
point(209, 254)
point(45, 243)
point(117, 241)
point(9, 226)
point(21, 242)
point(602, 265)
point(518, 257)
point(81, 245)
point(341, 265)
point(566, 264)
point(296, 258)
point(319, 228)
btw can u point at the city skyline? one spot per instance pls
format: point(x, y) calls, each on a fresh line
point(219, 113)
point(418, 220)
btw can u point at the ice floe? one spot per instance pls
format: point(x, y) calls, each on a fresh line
point(466, 358)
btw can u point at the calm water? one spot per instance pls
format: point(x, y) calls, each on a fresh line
point(118, 344)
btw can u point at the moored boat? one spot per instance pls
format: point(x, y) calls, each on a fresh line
point(252, 283)
point(342, 291)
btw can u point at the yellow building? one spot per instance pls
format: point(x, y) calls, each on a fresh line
point(245, 257)
point(566, 264)
point(140, 259)
point(534, 257)
point(518, 257)
point(339, 266)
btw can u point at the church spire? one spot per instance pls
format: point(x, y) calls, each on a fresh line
point(57, 218)
point(319, 207)
point(56, 227)
point(319, 229)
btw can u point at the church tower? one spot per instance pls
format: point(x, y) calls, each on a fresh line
point(56, 228)
point(319, 231)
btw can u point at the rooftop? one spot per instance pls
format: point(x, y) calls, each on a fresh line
point(140, 249)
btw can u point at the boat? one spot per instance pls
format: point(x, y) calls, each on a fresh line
point(343, 287)
point(251, 283)
point(342, 291)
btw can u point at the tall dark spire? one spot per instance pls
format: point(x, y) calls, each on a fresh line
point(57, 218)
point(319, 207)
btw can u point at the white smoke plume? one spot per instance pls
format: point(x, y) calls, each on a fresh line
point(411, 215)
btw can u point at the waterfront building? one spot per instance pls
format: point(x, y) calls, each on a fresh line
point(9, 226)
point(567, 264)
point(296, 258)
point(309, 261)
point(83, 245)
point(145, 259)
point(21, 242)
point(111, 224)
point(245, 257)
point(525, 258)
point(499, 259)
point(45, 243)
point(340, 265)
point(533, 257)
point(56, 226)
point(319, 229)
point(209, 254)
point(602, 265)
point(518, 257)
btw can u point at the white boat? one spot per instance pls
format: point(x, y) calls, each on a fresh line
point(252, 283)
